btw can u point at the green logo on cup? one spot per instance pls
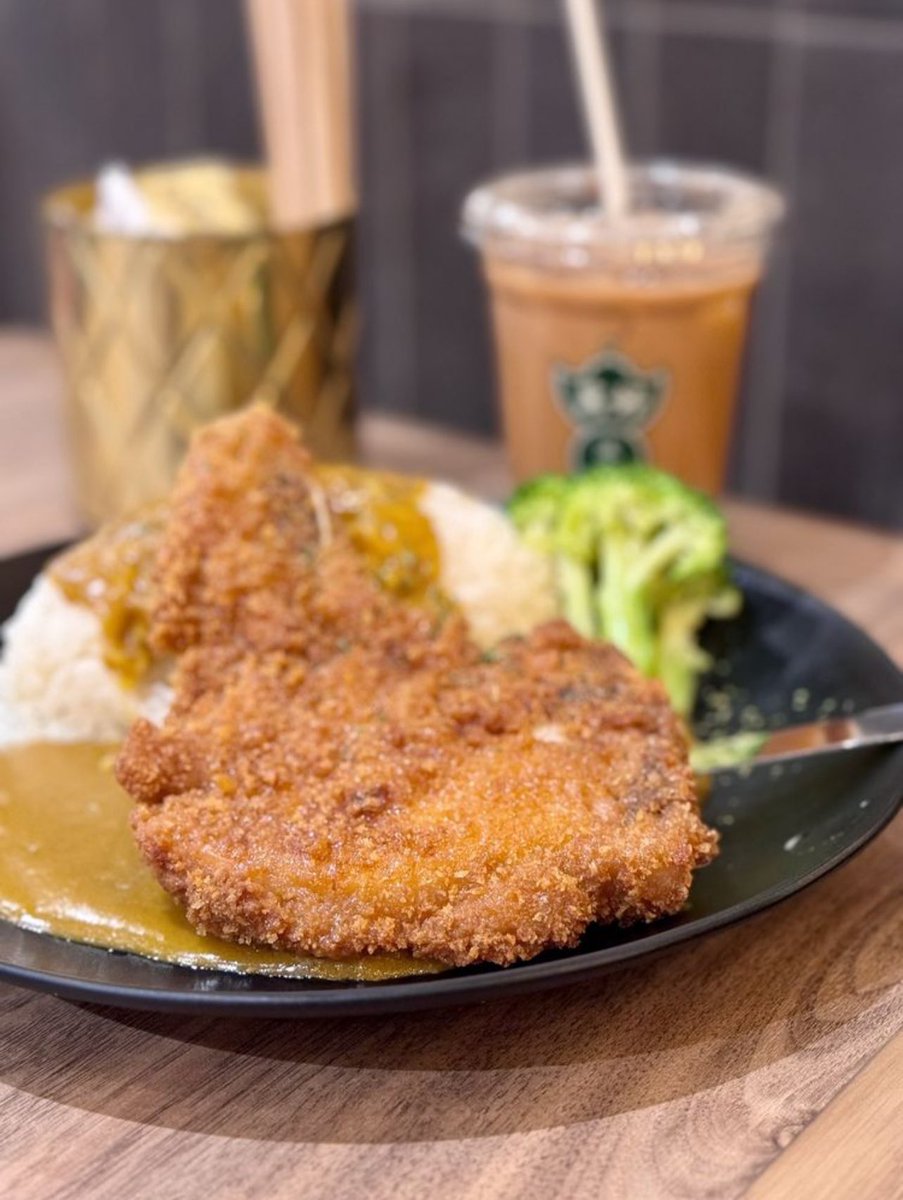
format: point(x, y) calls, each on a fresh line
point(612, 403)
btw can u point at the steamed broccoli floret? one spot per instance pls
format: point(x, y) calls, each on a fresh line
point(535, 509)
point(679, 657)
point(652, 536)
point(639, 560)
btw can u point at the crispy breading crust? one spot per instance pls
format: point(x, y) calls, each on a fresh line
point(340, 777)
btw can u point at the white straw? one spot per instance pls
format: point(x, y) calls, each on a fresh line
point(599, 107)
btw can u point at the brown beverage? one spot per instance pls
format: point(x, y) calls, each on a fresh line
point(622, 342)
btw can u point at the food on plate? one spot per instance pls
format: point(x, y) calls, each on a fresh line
point(343, 773)
point(354, 736)
point(70, 868)
point(639, 560)
point(77, 664)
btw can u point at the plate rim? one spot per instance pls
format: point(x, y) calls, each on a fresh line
point(449, 989)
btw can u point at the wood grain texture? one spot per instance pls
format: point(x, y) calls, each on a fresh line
point(719, 1068)
point(819, 1163)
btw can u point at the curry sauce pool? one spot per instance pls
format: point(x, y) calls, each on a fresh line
point(69, 867)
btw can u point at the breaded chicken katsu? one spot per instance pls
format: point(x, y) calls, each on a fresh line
point(344, 773)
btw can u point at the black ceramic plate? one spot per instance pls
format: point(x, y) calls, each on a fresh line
point(787, 657)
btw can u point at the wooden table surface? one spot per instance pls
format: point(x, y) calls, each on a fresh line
point(764, 1061)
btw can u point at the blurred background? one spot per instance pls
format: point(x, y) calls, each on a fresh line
point(806, 92)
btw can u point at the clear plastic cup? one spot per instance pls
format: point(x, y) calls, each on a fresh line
point(618, 341)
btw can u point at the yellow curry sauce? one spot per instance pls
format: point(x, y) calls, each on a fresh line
point(111, 573)
point(69, 867)
point(386, 525)
point(68, 864)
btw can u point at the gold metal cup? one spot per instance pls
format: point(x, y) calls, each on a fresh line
point(160, 335)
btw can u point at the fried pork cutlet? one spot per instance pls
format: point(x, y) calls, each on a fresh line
point(344, 774)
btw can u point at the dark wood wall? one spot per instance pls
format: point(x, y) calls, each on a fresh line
point(808, 92)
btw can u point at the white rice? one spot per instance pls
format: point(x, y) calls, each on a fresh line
point(503, 586)
point(55, 686)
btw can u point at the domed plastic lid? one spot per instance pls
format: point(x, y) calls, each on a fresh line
point(681, 213)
